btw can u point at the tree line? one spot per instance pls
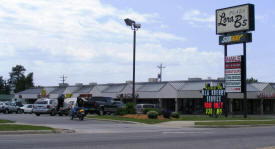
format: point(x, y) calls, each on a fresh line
point(17, 81)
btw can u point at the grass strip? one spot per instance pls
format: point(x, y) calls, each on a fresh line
point(6, 121)
point(16, 127)
point(224, 123)
point(120, 118)
point(207, 118)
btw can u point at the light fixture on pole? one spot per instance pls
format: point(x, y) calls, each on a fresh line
point(134, 27)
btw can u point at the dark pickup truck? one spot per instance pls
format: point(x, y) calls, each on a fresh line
point(102, 105)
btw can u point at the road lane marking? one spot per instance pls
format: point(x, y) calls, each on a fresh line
point(182, 132)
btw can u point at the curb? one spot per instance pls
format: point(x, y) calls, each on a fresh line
point(36, 131)
point(230, 126)
point(120, 121)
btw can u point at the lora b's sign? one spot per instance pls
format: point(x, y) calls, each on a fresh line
point(235, 19)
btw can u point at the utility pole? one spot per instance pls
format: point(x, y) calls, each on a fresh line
point(63, 79)
point(160, 74)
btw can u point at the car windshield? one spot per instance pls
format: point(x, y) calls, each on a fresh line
point(41, 102)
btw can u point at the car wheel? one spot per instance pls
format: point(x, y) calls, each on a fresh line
point(81, 117)
point(53, 113)
point(7, 111)
point(19, 111)
point(37, 114)
point(101, 111)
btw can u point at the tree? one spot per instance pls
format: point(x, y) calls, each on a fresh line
point(29, 81)
point(251, 80)
point(2, 83)
point(16, 73)
point(18, 80)
point(4, 86)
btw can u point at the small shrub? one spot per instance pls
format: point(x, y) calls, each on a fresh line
point(151, 109)
point(166, 113)
point(175, 115)
point(131, 108)
point(152, 114)
point(121, 111)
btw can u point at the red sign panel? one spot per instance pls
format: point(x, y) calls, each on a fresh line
point(232, 65)
point(233, 71)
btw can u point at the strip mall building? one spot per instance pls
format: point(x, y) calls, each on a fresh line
point(182, 96)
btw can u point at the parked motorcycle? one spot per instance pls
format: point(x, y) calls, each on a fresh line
point(78, 113)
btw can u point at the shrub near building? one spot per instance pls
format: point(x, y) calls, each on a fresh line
point(152, 114)
point(131, 108)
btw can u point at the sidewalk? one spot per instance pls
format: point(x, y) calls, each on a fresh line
point(176, 124)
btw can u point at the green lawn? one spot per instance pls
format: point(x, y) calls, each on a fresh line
point(6, 121)
point(182, 118)
point(225, 123)
point(16, 127)
point(207, 118)
point(120, 118)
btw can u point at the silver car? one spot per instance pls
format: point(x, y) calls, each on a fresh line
point(27, 108)
point(45, 106)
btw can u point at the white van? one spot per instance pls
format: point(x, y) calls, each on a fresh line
point(141, 107)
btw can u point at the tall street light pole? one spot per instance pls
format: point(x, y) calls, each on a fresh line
point(134, 27)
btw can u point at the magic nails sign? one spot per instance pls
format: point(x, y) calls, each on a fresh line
point(235, 19)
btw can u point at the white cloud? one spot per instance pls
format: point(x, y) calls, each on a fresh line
point(86, 40)
point(198, 19)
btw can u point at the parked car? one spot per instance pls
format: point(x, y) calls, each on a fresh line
point(10, 107)
point(119, 104)
point(1, 107)
point(45, 106)
point(101, 105)
point(141, 107)
point(27, 108)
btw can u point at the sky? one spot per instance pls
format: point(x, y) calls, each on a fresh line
point(88, 41)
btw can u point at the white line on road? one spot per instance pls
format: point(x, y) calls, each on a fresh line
point(182, 132)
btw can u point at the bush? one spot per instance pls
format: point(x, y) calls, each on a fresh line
point(152, 114)
point(175, 115)
point(121, 111)
point(131, 108)
point(166, 113)
point(150, 109)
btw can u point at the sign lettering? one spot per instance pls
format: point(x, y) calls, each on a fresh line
point(233, 19)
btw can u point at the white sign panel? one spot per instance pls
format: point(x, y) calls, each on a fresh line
point(232, 71)
point(233, 84)
point(233, 59)
point(233, 77)
point(233, 19)
point(233, 89)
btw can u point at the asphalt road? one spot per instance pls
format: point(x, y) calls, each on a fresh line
point(135, 136)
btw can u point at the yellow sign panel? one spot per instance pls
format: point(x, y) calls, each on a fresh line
point(236, 38)
point(43, 93)
point(68, 95)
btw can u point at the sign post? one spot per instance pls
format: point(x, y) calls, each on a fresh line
point(234, 24)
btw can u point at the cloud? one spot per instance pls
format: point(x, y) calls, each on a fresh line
point(198, 19)
point(85, 40)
